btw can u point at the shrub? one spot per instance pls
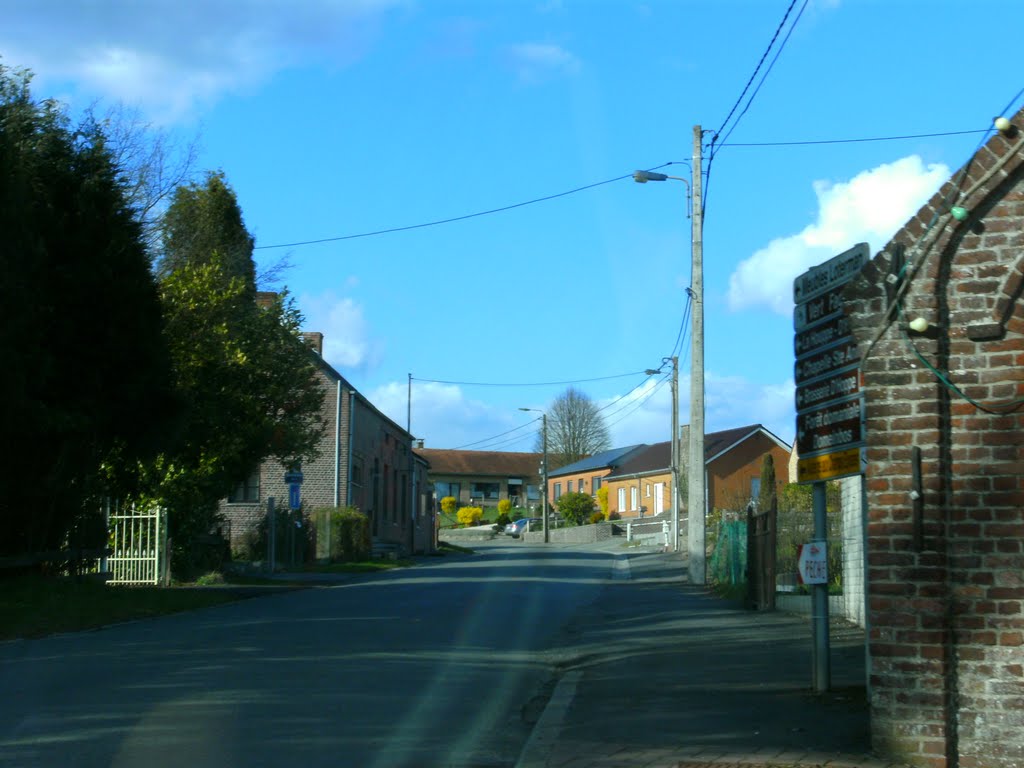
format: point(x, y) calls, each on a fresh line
point(349, 539)
point(503, 519)
point(575, 507)
point(597, 517)
point(469, 516)
point(504, 507)
point(449, 504)
point(614, 516)
point(602, 500)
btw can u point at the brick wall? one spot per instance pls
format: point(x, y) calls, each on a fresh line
point(357, 440)
point(729, 477)
point(946, 571)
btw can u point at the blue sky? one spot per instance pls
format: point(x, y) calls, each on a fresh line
point(334, 118)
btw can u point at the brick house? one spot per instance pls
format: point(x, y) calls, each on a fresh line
point(365, 460)
point(642, 485)
point(483, 477)
point(732, 463)
point(945, 469)
point(586, 475)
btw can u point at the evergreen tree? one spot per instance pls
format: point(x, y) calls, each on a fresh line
point(86, 374)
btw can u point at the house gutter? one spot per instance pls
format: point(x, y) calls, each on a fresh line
point(337, 446)
point(351, 439)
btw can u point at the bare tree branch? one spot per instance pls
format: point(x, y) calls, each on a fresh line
point(576, 429)
point(153, 162)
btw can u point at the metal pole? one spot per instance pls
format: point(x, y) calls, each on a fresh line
point(675, 454)
point(544, 469)
point(696, 502)
point(271, 533)
point(819, 597)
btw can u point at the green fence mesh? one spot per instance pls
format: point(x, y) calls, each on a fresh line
point(729, 560)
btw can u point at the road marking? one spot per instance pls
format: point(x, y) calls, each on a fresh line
point(539, 746)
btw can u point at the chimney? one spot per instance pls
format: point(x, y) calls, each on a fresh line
point(265, 298)
point(419, 443)
point(315, 340)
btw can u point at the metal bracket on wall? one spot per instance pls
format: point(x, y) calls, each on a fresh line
point(917, 499)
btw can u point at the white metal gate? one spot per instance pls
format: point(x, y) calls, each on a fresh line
point(137, 545)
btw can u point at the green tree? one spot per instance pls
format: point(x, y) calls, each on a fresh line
point(576, 429)
point(203, 220)
point(250, 387)
point(575, 507)
point(86, 373)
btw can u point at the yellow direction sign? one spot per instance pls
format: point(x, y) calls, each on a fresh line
point(828, 466)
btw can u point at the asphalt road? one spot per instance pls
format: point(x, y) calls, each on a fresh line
point(443, 664)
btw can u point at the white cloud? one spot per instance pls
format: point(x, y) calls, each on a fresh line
point(348, 343)
point(870, 207)
point(444, 417)
point(534, 62)
point(734, 401)
point(167, 56)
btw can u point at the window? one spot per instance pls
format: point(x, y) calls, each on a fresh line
point(647, 490)
point(622, 499)
point(533, 492)
point(442, 490)
point(596, 483)
point(568, 486)
point(247, 491)
point(558, 491)
point(755, 487)
point(582, 485)
point(634, 494)
point(357, 475)
point(488, 491)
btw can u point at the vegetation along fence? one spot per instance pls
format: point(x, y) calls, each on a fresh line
point(727, 538)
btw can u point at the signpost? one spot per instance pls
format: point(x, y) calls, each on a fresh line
point(829, 416)
point(813, 563)
point(294, 480)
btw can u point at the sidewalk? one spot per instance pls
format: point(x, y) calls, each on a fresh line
point(660, 673)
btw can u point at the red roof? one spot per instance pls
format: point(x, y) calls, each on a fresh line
point(495, 463)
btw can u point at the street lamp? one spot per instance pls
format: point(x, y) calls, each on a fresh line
point(543, 470)
point(675, 444)
point(695, 486)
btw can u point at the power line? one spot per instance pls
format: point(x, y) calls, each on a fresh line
point(528, 384)
point(757, 68)
point(850, 141)
point(640, 403)
point(500, 434)
point(438, 222)
point(775, 58)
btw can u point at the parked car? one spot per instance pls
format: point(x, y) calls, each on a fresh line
point(517, 528)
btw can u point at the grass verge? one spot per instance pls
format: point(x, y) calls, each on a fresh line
point(446, 548)
point(33, 606)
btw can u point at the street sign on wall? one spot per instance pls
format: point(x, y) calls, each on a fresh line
point(829, 466)
point(829, 403)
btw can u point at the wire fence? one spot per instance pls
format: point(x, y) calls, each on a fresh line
point(845, 516)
